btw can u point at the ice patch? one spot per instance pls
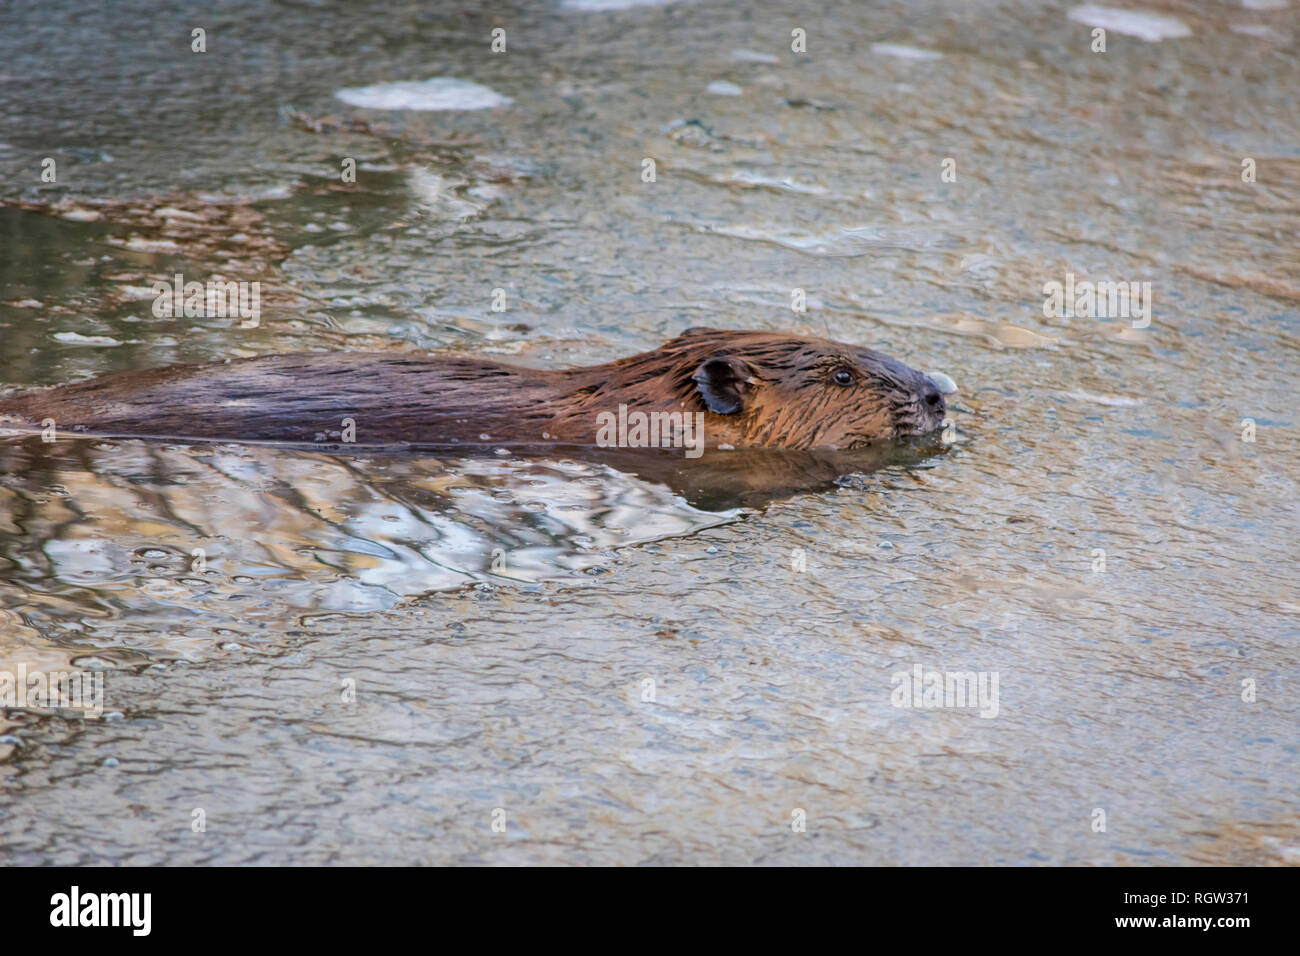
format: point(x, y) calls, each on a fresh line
point(1120, 401)
point(1152, 27)
point(750, 56)
point(437, 93)
point(904, 52)
point(723, 88)
point(75, 338)
point(599, 6)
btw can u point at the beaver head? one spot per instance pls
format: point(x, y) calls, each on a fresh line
point(790, 391)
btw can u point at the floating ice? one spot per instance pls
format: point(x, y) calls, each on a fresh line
point(904, 52)
point(1098, 398)
point(437, 93)
point(76, 338)
point(598, 6)
point(750, 56)
point(1152, 27)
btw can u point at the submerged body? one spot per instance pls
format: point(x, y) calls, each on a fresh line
point(744, 389)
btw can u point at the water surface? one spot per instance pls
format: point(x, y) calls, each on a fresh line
point(637, 661)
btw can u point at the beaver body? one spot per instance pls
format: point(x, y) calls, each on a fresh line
point(746, 389)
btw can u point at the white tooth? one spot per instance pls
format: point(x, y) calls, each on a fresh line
point(946, 385)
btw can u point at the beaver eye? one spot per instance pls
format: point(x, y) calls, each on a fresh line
point(843, 377)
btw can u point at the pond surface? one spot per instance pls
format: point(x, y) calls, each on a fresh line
point(372, 657)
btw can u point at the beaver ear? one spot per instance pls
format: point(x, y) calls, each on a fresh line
point(722, 382)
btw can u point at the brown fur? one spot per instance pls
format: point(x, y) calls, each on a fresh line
point(782, 387)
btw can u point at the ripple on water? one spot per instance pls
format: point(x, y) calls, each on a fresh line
point(1121, 688)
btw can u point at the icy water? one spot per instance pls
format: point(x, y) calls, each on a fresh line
point(311, 657)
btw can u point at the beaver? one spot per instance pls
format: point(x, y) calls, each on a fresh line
point(744, 389)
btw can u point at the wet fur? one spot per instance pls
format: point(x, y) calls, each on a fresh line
point(789, 399)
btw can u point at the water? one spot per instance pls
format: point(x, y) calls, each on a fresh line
point(500, 619)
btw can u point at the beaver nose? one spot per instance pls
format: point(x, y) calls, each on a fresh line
point(933, 398)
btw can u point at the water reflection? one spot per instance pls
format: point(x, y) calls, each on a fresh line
point(753, 477)
point(176, 534)
point(169, 534)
